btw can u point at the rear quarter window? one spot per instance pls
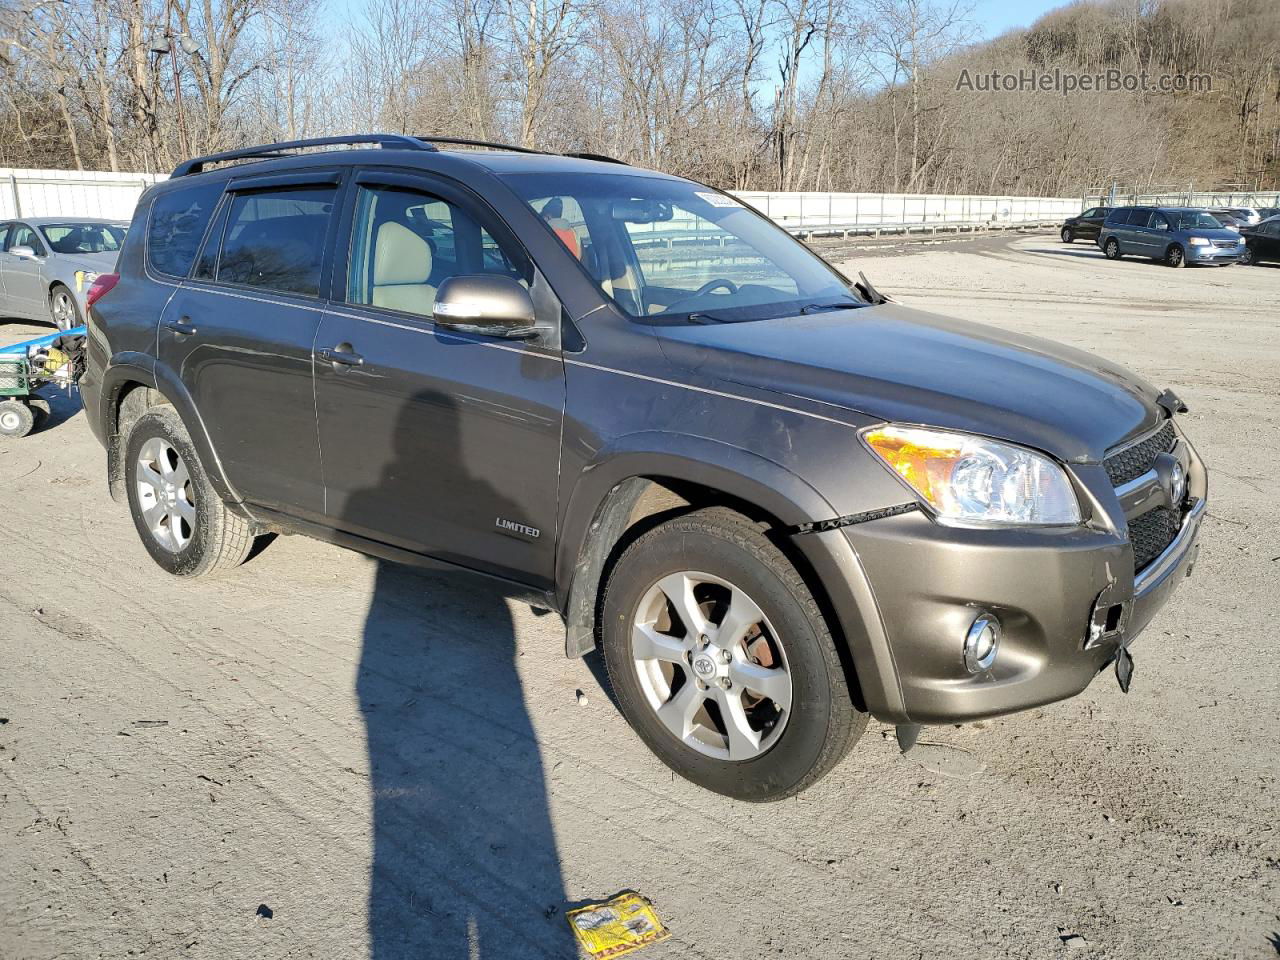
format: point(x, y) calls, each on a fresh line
point(176, 226)
point(1118, 215)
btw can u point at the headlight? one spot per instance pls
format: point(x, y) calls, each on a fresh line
point(1198, 241)
point(968, 479)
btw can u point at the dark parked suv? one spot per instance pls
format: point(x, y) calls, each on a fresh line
point(1084, 226)
point(778, 502)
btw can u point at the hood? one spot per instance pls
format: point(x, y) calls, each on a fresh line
point(894, 363)
point(94, 262)
point(1218, 234)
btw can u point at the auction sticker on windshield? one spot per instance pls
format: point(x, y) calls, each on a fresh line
point(716, 199)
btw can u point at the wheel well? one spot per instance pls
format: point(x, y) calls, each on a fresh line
point(131, 401)
point(637, 505)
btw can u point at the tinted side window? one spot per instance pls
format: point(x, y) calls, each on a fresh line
point(178, 219)
point(4, 234)
point(406, 243)
point(275, 239)
point(1091, 212)
point(1118, 215)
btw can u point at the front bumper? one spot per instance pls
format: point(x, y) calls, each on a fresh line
point(1051, 589)
point(1214, 254)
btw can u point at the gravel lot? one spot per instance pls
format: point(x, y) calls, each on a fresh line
point(398, 765)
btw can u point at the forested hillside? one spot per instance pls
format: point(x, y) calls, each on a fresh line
point(765, 94)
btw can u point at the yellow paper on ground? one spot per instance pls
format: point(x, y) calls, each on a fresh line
point(617, 926)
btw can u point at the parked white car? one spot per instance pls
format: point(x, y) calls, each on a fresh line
point(47, 265)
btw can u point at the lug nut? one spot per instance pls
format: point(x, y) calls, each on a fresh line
point(704, 640)
point(724, 683)
point(726, 656)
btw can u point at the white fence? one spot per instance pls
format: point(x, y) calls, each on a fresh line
point(41, 193)
point(71, 193)
point(838, 212)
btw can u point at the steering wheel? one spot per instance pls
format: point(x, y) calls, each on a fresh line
point(702, 291)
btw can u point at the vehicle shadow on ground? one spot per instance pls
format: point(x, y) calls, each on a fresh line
point(63, 405)
point(1060, 252)
point(465, 863)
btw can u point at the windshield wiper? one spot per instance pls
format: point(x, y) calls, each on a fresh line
point(707, 318)
point(870, 293)
point(845, 305)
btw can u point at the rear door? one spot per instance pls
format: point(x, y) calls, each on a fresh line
point(437, 442)
point(241, 329)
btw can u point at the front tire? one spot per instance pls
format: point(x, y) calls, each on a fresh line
point(182, 521)
point(1067, 235)
point(63, 309)
point(1112, 249)
point(722, 661)
point(1176, 257)
point(1247, 258)
point(16, 419)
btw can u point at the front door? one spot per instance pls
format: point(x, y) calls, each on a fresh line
point(23, 280)
point(240, 335)
point(436, 442)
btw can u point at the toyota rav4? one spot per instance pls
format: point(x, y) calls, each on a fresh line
point(779, 503)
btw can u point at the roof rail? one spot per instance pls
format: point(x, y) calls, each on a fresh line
point(269, 151)
point(598, 157)
point(464, 142)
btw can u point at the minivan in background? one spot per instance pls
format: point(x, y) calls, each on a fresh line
point(1175, 235)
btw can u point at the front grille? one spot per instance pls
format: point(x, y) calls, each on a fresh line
point(1151, 533)
point(1132, 462)
point(1226, 244)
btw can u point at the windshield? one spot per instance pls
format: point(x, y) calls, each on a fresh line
point(1198, 221)
point(84, 237)
point(670, 251)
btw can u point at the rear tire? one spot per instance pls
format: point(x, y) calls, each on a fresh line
point(16, 419)
point(787, 733)
point(182, 521)
point(1112, 249)
point(1176, 257)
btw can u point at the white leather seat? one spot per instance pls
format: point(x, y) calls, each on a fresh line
point(401, 268)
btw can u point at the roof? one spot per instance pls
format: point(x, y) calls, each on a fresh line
point(45, 221)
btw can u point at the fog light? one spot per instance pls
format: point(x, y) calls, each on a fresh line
point(981, 643)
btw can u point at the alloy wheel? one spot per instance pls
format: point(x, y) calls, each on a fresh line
point(1066, 235)
point(64, 310)
point(711, 666)
point(165, 495)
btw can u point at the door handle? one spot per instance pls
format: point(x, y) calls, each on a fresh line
point(341, 355)
point(183, 327)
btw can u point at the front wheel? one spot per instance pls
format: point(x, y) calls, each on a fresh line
point(63, 309)
point(722, 661)
point(1247, 259)
point(1067, 235)
point(1176, 257)
point(182, 521)
point(1112, 248)
point(16, 419)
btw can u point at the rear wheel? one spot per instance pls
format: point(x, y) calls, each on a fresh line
point(16, 419)
point(1175, 257)
point(1067, 235)
point(1112, 248)
point(182, 521)
point(722, 661)
point(63, 309)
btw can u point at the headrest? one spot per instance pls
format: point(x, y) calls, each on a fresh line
point(400, 256)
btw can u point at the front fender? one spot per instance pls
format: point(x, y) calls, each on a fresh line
point(607, 490)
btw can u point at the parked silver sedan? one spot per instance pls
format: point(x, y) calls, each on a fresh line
point(48, 263)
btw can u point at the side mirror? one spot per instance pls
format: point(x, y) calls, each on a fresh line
point(488, 304)
point(23, 251)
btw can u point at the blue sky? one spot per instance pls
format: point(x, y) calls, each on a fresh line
point(997, 16)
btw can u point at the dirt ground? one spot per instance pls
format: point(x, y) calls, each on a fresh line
point(323, 756)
